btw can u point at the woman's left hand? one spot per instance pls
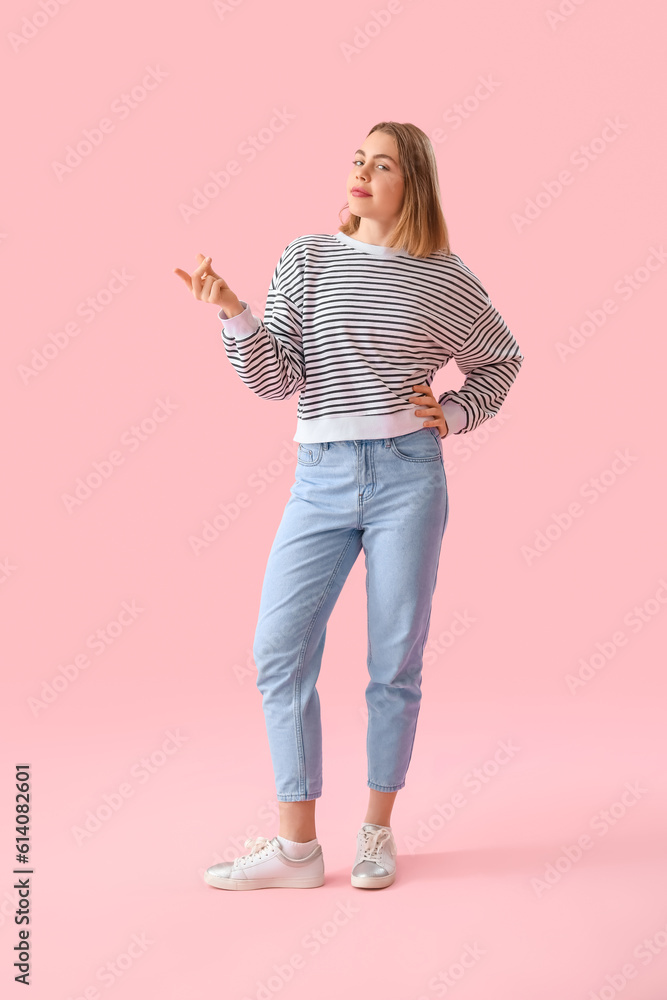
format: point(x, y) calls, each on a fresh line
point(432, 409)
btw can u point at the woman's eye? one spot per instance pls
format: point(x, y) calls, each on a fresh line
point(354, 163)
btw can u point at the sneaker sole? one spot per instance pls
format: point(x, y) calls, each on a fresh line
point(265, 883)
point(365, 882)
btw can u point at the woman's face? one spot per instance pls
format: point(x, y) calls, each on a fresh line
point(376, 170)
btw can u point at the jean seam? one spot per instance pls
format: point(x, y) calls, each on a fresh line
point(408, 458)
point(370, 650)
point(297, 798)
point(428, 625)
point(317, 460)
point(298, 722)
point(385, 788)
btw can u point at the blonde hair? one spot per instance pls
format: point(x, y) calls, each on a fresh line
point(421, 228)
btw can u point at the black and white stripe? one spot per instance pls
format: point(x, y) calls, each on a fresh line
point(352, 327)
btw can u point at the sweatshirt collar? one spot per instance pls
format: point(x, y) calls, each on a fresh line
point(371, 248)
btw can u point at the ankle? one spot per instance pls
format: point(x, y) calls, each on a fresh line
point(298, 836)
point(296, 820)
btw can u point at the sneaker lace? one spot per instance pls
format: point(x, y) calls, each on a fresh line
point(256, 844)
point(373, 843)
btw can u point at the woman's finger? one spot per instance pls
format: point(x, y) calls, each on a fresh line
point(185, 276)
point(197, 275)
point(207, 285)
point(205, 269)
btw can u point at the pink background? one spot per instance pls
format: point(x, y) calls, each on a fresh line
point(468, 883)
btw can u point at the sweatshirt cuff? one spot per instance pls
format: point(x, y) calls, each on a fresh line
point(244, 324)
point(455, 416)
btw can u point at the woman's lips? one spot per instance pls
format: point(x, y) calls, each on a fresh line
point(358, 193)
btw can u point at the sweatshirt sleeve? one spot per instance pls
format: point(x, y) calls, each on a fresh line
point(490, 359)
point(267, 353)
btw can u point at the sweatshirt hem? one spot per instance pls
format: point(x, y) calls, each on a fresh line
point(354, 426)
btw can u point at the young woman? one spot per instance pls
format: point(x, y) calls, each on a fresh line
point(358, 322)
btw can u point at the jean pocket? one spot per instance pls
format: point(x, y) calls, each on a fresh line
point(423, 445)
point(310, 454)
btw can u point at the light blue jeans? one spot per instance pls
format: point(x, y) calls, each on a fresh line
point(389, 497)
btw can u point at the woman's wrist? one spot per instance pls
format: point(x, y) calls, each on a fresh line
point(232, 307)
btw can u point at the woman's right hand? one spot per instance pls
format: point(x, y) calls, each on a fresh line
point(207, 286)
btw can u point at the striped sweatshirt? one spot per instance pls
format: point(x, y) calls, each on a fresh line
point(352, 326)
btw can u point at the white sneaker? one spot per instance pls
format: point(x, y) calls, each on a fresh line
point(267, 866)
point(375, 864)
